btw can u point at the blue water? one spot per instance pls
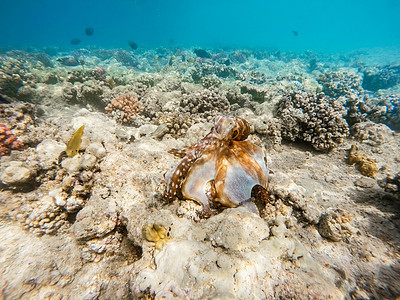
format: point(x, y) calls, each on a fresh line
point(323, 26)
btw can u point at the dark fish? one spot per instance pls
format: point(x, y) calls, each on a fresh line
point(133, 45)
point(295, 33)
point(202, 53)
point(68, 61)
point(75, 41)
point(89, 31)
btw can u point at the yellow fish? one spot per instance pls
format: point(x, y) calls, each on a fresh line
point(75, 142)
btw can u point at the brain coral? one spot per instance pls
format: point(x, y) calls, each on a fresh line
point(317, 119)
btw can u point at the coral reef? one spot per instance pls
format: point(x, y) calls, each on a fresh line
point(123, 108)
point(341, 83)
point(95, 225)
point(371, 133)
point(8, 141)
point(206, 103)
point(381, 109)
point(316, 119)
point(380, 77)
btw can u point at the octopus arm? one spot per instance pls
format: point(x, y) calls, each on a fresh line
point(175, 180)
point(178, 152)
point(196, 186)
point(252, 155)
point(237, 173)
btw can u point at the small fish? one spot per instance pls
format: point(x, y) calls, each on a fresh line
point(74, 143)
point(75, 41)
point(68, 61)
point(202, 53)
point(295, 33)
point(133, 45)
point(111, 83)
point(160, 130)
point(89, 31)
point(171, 60)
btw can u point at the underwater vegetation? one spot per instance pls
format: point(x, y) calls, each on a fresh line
point(222, 169)
point(74, 143)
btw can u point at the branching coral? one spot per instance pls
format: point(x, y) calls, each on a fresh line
point(383, 109)
point(317, 119)
point(123, 108)
point(206, 103)
point(381, 77)
point(8, 141)
point(340, 83)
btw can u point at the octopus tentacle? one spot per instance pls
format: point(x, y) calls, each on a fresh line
point(174, 183)
point(241, 130)
point(245, 155)
point(178, 153)
point(237, 172)
point(219, 181)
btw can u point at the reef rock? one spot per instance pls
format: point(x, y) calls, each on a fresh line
point(222, 258)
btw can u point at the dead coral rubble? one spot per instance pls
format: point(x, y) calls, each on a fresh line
point(317, 119)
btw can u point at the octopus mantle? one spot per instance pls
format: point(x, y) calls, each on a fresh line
point(222, 168)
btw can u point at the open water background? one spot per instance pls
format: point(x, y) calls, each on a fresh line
point(321, 26)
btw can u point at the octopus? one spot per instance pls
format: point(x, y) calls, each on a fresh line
point(222, 169)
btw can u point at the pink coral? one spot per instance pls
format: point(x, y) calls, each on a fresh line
point(8, 141)
point(124, 107)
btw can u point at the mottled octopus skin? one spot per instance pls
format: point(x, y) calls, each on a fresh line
point(221, 168)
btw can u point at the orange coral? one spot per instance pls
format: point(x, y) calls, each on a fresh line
point(365, 164)
point(124, 107)
point(8, 141)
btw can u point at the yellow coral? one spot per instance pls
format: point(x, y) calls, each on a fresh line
point(365, 164)
point(155, 233)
